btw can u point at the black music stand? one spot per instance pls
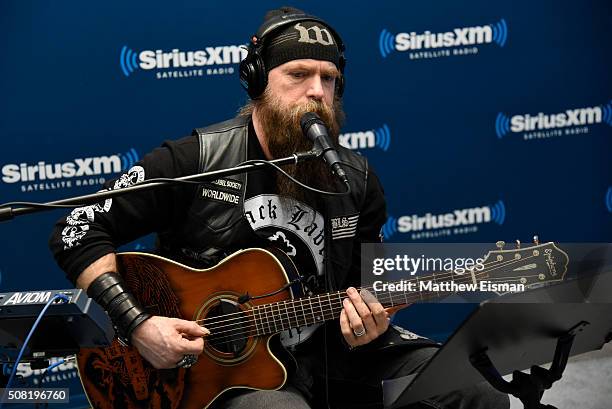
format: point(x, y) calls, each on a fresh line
point(514, 332)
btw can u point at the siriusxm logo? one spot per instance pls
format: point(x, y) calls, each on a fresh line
point(609, 199)
point(94, 166)
point(457, 218)
point(541, 121)
point(130, 61)
point(380, 138)
point(467, 36)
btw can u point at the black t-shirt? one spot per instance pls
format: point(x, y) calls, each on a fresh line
point(290, 225)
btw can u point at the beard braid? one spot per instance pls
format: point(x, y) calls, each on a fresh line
point(283, 132)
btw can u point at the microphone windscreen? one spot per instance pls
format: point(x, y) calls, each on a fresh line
point(308, 119)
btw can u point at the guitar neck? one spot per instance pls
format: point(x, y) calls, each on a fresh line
point(289, 314)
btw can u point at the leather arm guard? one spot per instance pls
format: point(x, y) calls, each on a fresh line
point(123, 308)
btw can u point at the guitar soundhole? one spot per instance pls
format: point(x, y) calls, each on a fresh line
point(228, 326)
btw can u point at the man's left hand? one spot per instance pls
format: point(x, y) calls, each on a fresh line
point(363, 318)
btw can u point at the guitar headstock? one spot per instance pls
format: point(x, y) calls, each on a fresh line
point(531, 266)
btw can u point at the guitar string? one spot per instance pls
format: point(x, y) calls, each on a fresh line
point(251, 327)
point(439, 276)
point(265, 316)
point(212, 320)
point(281, 320)
point(435, 275)
point(258, 308)
point(318, 303)
point(336, 308)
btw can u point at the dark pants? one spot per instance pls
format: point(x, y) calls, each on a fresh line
point(354, 381)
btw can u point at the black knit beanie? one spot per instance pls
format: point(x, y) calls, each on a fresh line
point(303, 39)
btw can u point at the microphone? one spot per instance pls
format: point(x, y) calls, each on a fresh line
point(315, 130)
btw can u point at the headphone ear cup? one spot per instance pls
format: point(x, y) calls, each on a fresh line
point(245, 72)
point(260, 77)
point(253, 75)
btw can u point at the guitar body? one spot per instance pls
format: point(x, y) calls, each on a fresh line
point(117, 376)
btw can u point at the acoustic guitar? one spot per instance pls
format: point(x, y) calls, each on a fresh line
point(243, 326)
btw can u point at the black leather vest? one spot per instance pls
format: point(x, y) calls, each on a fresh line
point(216, 224)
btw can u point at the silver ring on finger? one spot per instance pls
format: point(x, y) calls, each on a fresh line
point(360, 333)
point(187, 361)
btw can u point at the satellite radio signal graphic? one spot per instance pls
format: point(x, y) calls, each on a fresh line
point(127, 60)
point(383, 137)
point(390, 227)
point(500, 32)
point(502, 125)
point(128, 159)
point(498, 212)
point(607, 113)
point(609, 199)
point(386, 43)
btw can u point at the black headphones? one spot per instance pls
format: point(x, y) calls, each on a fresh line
point(253, 75)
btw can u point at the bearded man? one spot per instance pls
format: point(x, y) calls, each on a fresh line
point(292, 68)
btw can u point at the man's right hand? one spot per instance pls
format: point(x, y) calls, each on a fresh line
point(164, 341)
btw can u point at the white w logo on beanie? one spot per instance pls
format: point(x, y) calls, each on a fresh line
point(305, 36)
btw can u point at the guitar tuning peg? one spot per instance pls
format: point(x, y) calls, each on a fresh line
point(536, 239)
point(500, 244)
point(518, 244)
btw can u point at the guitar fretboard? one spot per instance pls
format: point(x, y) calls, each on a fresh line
point(280, 316)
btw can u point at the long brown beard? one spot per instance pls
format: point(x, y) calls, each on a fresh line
point(281, 126)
